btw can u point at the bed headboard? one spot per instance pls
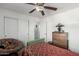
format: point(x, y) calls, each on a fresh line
point(35, 41)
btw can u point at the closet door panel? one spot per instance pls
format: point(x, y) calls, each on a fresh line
point(11, 27)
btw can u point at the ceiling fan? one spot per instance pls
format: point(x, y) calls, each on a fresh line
point(40, 7)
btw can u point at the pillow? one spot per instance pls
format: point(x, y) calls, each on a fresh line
point(9, 45)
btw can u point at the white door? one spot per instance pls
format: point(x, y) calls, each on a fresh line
point(11, 27)
point(1, 27)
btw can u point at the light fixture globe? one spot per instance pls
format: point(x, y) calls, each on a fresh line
point(39, 8)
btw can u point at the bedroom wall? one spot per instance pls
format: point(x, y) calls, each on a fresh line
point(71, 21)
point(22, 23)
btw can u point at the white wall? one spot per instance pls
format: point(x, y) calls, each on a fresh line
point(71, 21)
point(22, 24)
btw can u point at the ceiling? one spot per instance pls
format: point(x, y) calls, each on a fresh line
point(25, 8)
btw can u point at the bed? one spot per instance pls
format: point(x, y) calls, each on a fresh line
point(45, 49)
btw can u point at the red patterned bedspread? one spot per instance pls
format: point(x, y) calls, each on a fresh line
point(45, 49)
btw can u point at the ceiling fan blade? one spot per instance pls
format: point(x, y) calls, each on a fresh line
point(51, 8)
point(42, 12)
point(40, 4)
point(32, 10)
point(31, 3)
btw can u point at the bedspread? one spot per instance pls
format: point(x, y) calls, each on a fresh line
point(45, 49)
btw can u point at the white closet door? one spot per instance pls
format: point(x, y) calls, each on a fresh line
point(11, 27)
point(1, 27)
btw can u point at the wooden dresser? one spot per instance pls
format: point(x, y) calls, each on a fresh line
point(60, 39)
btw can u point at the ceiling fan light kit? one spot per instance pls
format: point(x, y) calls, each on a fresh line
point(39, 8)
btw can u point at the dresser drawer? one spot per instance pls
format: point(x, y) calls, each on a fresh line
point(59, 36)
point(60, 44)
